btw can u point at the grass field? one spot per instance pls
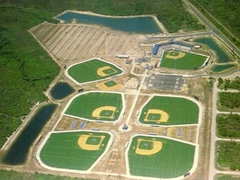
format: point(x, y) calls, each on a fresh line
point(180, 110)
point(87, 71)
point(188, 62)
point(173, 160)
point(84, 105)
point(228, 177)
point(110, 83)
point(62, 150)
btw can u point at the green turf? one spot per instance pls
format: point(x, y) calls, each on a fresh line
point(87, 71)
point(106, 113)
point(173, 160)
point(110, 83)
point(152, 116)
point(180, 110)
point(145, 145)
point(93, 140)
point(62, 151)
point(84, 105)
point(109, 71)
point(174, 53)
point(228, 177)
point(188, 62)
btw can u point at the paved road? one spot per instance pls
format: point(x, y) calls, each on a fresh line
point(213, 28)
point(212, 169)
point(208, 75)
point(179, 36)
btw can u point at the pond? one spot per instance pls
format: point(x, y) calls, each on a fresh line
point(139, 25)
point(223, 57)
point(61, 90)
point(219, 68)
point(17, 154)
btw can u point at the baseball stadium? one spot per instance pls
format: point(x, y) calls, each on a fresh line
point(150, 156)
point(178, 55)
point(167, 110)
point(92, 70)
point(96, 106)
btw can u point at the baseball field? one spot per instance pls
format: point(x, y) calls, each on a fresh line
point(74, 150)
point(176, 59)
point(96, 106)
point(165, 110)
point(109, 85)
point(93, 70)
point(159, 157)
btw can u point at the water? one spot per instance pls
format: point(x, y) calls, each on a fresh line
point(140, 25)
point(61, 90)
point(18, 152)
point(219, 68)
point(222, 56)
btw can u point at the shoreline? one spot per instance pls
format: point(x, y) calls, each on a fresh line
point(160, 25)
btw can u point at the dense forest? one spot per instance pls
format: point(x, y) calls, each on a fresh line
point(13, 175)
point(172, 14)
point(227, 84)
point(27, 70)
point(228, 154)
point(225, 11)
point(229, 100)
point(228, 125)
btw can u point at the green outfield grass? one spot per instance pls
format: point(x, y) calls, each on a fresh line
point(153, 116)
point(110, 83)
point(62, 150)
point(145, 145)
point(84, 105)
point(93, 140)
point(87, 71)
point(173, 160)
point(188, 62)
point(180, 110)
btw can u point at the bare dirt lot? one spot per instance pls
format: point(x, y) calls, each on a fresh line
point(73, 43)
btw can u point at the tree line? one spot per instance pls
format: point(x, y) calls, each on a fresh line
point(228, 84)
point(228, 155)
point(230, 100)
point(227, 12)
point(228, 125)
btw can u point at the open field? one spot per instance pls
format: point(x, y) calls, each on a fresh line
point(173, 159)
point(176, 59)
point(92, 70)
point(96, 106)
point(68, 150)
point(165, 110)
